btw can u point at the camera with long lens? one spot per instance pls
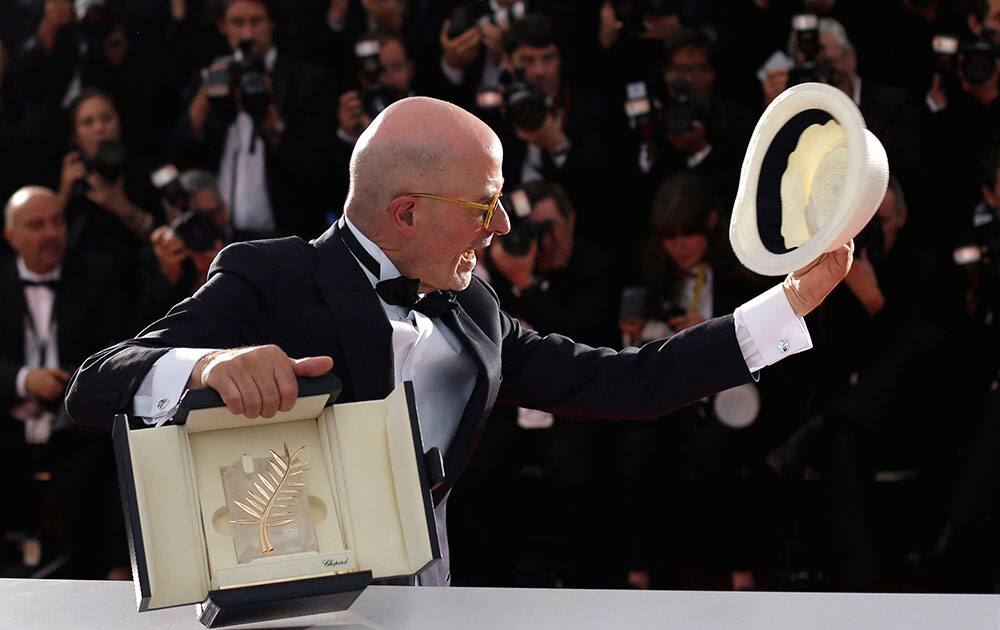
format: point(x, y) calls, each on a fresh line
point(243, 73)
point(108, 162)
point(979, 59)
point(197, 230)
point(375, 96)
point(805, 27)
point(523, 231)
point(683, 107)
point(523, 105)
point(632, 13)
point(167, 182)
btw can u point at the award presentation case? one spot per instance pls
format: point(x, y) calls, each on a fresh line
point(360, 479)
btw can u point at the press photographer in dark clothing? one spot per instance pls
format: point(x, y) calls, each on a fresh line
point(109, 203)
point(264, 122)
point(552, 130)
point(176, 262)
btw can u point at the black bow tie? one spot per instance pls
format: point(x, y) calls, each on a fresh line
point(403, 291)
point(399, 291)
point(48, 284)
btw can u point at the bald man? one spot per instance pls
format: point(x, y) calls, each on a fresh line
point(388, 295)
point(56, 310)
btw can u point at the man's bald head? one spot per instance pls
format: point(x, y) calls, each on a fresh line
point(23, 198)
point(417, 144)
point(35, 229)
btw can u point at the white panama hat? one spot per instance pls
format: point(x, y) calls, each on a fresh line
point(812, 178)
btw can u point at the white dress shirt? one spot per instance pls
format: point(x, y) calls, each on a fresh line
point(243, 172)
point(426, 352)
point(41, 349)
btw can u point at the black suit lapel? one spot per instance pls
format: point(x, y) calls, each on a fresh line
point(486, 354)
point(363, 328)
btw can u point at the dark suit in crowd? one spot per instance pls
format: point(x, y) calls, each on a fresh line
point(88, 312)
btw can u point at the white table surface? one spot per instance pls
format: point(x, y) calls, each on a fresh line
point(54, 604)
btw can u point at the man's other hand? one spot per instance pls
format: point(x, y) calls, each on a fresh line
point(47, 384)
point(255, 381)
point(808, 287)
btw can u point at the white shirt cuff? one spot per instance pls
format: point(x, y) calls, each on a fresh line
point(160, 392)
point(21, 382)
point(933, 105)
point(768, 330)
point(453, 75)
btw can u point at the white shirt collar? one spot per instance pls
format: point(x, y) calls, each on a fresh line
point(27, 274)
point(387, 270)
point(695, 159)
point(857, 91)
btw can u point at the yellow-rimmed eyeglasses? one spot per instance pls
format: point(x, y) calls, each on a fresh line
point(487, 208)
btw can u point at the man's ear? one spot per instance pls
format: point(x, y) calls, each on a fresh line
point(402, 214)
point(8, 234)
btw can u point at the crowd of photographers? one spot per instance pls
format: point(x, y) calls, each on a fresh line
point(151, 133)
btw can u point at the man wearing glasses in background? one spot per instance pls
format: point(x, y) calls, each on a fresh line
point(387, 295)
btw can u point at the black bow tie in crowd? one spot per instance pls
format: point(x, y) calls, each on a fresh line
point(400, 291)
point(48, 284)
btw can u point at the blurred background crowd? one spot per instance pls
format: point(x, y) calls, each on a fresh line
point(170, 128)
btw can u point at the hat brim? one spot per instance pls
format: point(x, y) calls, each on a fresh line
point(758, 199)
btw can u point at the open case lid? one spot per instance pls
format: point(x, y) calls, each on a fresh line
point(162, 516)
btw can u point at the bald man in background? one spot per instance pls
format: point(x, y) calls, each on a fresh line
point(57, 310)
point(388, 295)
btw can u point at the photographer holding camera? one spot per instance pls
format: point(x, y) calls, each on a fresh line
point(176, 262)
point(108, 202)
point(263, 122)
point(695, 128)
point(551, 130)
point(384, 77)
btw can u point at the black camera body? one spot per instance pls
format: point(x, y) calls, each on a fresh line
point(683, 107)
point(979, 60)
point(640, 303)
point(196, 230)
point(377, 96)
point(468, 15)
point(108, 162)
point(523, 105)
point(805, 26)
point(523, 231)
point(243, 74)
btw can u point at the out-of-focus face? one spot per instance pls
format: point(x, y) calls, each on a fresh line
point(556, 245)
point(540, 66)
point(686, 250)
point(693, 66)
point(209, 202)
point(842, 63)
point(992, 20)
point(448, 234)
point(397, 70)
point(96, 120)
point(246, 19)
point(38, 233)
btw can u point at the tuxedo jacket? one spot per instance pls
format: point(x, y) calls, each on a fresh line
point(88, 312)
point(312, 298)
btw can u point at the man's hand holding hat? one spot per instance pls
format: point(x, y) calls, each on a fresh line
point(809, 286)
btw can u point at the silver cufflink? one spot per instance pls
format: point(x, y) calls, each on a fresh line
point(162, 404)
point(782, 345)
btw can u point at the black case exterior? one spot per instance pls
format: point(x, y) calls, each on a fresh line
point(282, 599)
